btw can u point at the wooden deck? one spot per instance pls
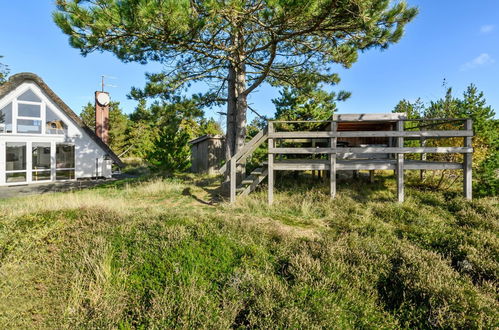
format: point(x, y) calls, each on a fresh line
point(354, 142)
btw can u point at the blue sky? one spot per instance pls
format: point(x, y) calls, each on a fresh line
point(455, 40)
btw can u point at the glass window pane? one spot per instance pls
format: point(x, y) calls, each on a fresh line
point(55, 125)
point(29, 95)
point(29, 126)
point(41, 156)
point(65, 156)
point(16, 177)
point(41, 176)
point(28, 110)
point(6, 119)
point(15, 156)
point(65, 174)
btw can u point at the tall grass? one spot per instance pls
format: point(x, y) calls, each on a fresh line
point(160, 254)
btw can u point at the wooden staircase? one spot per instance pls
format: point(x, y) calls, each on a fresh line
point(251, 181)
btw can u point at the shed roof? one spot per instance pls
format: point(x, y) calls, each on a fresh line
point(207, 137)
point(19, 78)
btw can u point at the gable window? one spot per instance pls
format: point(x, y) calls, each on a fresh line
point(29, 96)
point(6, 119)
point(28, 110)
point(29, 113)
point(53, 123)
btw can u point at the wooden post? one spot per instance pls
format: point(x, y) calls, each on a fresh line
point(313, 156)
point(371, 176)
point(233, 176)
point(270, 166)
point(468, 162)
point(332, 161)
point(423, 155)
point(400, 164)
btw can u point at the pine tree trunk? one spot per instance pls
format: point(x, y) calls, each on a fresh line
point(236, 117)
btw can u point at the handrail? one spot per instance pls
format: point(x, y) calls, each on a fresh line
point(248, 148)
point(369, 120)
point(350, 134)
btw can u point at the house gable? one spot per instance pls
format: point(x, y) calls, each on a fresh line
point(53, 118)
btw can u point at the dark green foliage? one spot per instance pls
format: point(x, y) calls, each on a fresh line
point(309, 102)
point(486, 129)
point(4, 72)
point(199, 36)
point(174, 122)
point(233, 46)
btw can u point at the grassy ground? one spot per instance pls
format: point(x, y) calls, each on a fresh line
point(165, 253)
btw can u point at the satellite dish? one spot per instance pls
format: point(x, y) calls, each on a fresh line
point(103, 99)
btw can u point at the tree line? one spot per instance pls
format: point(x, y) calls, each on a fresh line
point(157, 134)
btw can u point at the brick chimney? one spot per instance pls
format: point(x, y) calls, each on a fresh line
point(102, 116)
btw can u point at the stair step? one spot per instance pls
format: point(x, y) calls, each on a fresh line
point(257, 171)
point(247, 181)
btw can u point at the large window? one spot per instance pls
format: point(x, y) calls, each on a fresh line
point(29, 109)
point(6, 119)
point(15, 161)
point(65, 161)
point(41, 162)
point(29, 115)
point(30, 126)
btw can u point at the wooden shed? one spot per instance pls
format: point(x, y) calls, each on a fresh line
point(207, 152)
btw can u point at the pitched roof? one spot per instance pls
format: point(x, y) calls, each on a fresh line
point(19, 78)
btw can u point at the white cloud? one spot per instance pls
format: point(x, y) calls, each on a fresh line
point(480, 60)
point(487, 28)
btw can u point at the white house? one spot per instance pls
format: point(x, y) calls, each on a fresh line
point(43, 140)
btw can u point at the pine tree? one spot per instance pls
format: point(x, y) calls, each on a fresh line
point(233, 46)
point(4, 72)
point(310, 102)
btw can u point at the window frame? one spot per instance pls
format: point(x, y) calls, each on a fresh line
point(34, 171)
point(45, 103)
point(62, 169)
point(25, 171)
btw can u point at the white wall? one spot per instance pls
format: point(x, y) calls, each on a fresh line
point(89, 155)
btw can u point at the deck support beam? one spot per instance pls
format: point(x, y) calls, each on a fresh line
point(468, 162)
point(400, 164)
point(332, 162)
point(270, 166)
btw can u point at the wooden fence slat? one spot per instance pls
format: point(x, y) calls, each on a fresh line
point(350, 134)
point(372, 150)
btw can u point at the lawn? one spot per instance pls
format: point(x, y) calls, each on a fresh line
point(159, 253)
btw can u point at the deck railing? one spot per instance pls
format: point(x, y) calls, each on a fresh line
point(398, 151)
point(340, 157)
